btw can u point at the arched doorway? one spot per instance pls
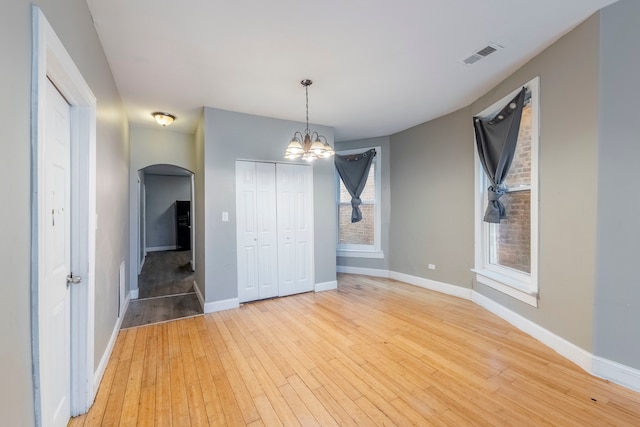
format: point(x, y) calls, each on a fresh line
point(164, 247)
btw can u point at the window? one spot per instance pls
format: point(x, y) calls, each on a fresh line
point(360, 239)
point(506, 253)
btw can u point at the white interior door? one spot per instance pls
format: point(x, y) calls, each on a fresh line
point(295, 228)
point(257, 237)
point(54, 223)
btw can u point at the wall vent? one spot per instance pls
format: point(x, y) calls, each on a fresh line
point(482, 53)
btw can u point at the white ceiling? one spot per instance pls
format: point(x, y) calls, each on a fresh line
point(378, 66)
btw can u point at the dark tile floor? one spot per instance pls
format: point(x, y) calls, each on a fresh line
point(165, 290)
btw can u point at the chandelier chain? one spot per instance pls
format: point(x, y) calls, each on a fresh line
point(306, 90)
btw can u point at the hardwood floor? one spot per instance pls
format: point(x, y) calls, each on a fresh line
point(374, 352)
point(165, 290)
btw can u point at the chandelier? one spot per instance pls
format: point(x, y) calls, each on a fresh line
point(309, 146)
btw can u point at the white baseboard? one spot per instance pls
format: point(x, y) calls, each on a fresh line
point(213, 306)
point(198, 294)
point(104, 360)
point(227, 304)
point(133, 294)
point(161, 248)
point(617, 373)
point(364, 271)
point(563, 347)
point(326, 286)
point(432, 285)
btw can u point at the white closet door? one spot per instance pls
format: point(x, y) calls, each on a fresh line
point(267, 230)
point(256, 231)
point(247, 235)
point(295, 228)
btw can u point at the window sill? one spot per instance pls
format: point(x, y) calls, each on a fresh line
point(507, 285)
point(359, 254)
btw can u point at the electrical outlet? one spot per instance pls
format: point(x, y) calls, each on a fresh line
point(432, 266)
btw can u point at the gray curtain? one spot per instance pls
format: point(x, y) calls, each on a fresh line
point(353, 171)
point(496, 139)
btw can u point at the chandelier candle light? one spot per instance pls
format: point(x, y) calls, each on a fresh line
point(309, 146)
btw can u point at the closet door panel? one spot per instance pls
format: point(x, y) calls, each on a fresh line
point(246, 231)
point(267, 228)
point(303, 189)
point(286, 230)
point(295, 209)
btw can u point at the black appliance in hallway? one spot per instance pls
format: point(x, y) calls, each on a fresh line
point(183, 225)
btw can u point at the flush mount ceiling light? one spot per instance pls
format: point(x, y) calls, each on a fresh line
point(164, 119)
point(309, 146)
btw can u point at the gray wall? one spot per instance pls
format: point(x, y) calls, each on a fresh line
point(385, 194)
point(161, 195)
point(432, 182)
point(617, 306)
point(432, 200)
point(568, 166)
point(71, 21)
point(229, 136)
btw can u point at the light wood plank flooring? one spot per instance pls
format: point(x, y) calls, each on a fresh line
point(374, 352)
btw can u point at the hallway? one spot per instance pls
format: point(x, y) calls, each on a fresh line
point(165, 290)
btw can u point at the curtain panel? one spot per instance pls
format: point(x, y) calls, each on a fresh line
point(353, 170)
point(496, 139)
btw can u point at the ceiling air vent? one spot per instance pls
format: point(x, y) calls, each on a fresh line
point(482, 53)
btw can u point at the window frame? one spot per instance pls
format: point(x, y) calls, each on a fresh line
point(514, 283)
point(356, 250)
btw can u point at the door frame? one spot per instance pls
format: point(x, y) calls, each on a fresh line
point(50, 60)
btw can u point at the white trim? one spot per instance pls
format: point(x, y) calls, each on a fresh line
point(144, 258)
point(365, 251)
point(51, 61)
point(161, 248)
point(519, 285)
point(363, 271)
point(432, 285)
point(227, 304)
point(133, 294)
point(506, 285)
point(352, 253)
point(616, 372)
point(213, 306)
point(122, 289)
point(104, 360)
point(199, 294)
point(563, 347)
point(326, 286)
